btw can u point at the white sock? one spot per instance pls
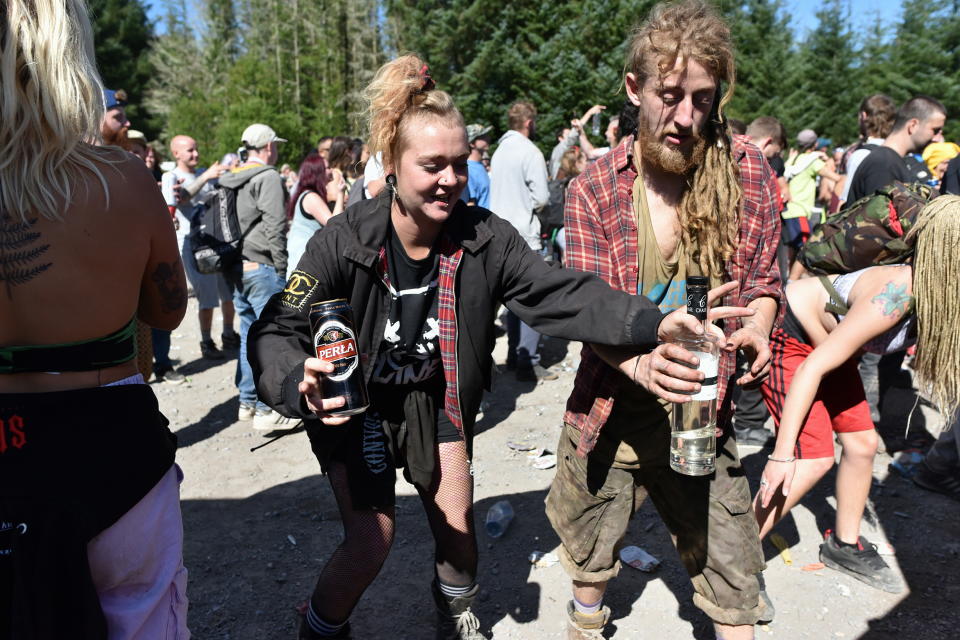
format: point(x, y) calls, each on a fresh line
point(587, 609)
point(321, 626)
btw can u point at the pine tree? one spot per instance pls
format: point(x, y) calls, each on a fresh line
point(296, 65)
point(875, 72)
point(763, 42)
point(924, 53)
point(122, 36)
point(819, 76)
point(563, 57)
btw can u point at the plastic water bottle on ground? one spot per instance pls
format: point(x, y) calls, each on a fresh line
point(498, 518)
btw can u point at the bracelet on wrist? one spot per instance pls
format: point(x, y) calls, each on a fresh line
point(790, 459)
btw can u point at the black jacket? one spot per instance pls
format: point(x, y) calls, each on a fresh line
point(341, 261)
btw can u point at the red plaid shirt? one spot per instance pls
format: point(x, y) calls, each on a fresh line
point(601, 238)
point(450, 255)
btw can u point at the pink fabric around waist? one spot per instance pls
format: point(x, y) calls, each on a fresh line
point(137, 567)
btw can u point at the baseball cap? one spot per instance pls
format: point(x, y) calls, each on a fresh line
point(133, 134)
point(257, 136)
point(807, 137)
point(113, 99)
point(474, 131)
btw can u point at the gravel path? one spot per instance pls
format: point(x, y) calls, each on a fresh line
point(259, 526)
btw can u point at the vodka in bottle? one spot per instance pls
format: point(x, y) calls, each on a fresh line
point(693, 443)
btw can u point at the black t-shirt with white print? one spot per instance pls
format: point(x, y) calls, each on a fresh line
point(409, 356)
point(410, 351)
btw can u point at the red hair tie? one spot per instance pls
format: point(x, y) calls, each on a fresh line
point(427, 82)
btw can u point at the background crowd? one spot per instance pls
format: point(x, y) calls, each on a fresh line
point(291, 178)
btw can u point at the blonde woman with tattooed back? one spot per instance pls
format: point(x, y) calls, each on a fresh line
point(814, 390)
point(90, 528)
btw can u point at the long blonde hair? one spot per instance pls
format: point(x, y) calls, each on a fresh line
point(51, 105)
point(710, 208)
point(400, 94)
point(936, 291)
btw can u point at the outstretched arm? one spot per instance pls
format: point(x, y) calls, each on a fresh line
point(669, 371)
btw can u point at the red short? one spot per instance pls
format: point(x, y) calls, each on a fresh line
point(840, 404)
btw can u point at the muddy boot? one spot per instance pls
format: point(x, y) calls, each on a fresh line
point(585, 626)
point(455, 619)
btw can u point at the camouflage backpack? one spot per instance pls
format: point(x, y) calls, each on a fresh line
point(868, 232)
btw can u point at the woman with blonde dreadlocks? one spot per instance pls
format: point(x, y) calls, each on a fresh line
point(813, 390)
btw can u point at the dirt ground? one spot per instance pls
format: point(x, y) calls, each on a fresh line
point(259, 526)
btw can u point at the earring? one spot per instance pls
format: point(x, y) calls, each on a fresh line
point(392, 186)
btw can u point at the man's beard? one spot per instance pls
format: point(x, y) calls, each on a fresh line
point(668, 158)
point(115, 138)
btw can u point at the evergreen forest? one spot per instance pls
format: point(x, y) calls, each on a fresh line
point(210, 68)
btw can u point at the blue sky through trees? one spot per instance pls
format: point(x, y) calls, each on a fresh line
point(803, 13)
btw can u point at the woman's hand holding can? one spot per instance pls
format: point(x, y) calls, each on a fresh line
point(313, 370)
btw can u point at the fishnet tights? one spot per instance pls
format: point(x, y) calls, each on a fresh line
point(449, 507)
point(369, 534)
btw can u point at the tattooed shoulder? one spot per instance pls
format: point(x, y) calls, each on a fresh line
point(173, 296)
point(21, 252)
point(893, 301)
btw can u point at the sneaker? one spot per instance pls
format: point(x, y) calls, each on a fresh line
point(752, 436)
point(861, 562)
point(169, 376)
point(246, 412)
point(268, 420)
point(230, 340)
point(535, 373)
point(585, 626)
point(209, 350)
point(945, 483)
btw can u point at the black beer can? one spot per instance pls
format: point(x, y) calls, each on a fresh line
point(335, 341)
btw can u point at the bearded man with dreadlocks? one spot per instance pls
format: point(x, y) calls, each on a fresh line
point(681, 198)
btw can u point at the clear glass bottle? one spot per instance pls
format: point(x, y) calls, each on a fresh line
point(693, 443)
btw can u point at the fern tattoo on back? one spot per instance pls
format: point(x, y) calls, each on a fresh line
point(21, 253)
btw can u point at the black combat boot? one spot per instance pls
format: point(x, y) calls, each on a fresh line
point(455, 618)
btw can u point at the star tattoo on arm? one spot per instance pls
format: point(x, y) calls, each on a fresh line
point(894, 301)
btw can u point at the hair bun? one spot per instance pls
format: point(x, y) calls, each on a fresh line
point(399, 89)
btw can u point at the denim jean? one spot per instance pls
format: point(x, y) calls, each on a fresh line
point(750, 411)
point(253, 288)
point(523, 342)
point(161, 350)
point(944, 456)
point(878, 374)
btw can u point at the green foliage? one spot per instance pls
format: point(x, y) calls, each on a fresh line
point(562, 57)
point(299, 65)
point(122, 37)
point(762, 41)
point(823, 94)
point(925, 55)
point(296, 65)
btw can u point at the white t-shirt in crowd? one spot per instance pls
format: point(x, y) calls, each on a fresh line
point(853, 162)
point(372, 171)
point(167, 183)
